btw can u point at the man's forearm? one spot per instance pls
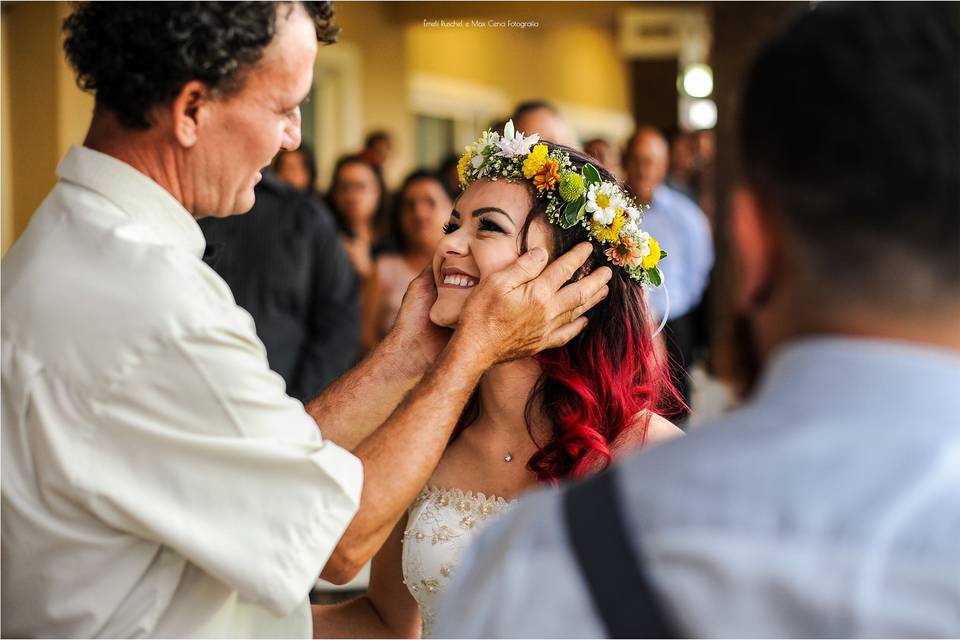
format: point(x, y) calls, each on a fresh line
point(361, 400)
point(400, 456)
point(356, 618)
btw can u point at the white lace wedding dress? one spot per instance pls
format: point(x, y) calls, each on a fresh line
point(441, 523)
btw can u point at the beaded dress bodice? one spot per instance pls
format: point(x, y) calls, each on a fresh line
point(441, 523)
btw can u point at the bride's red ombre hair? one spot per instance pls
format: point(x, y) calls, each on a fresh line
point(593, 389)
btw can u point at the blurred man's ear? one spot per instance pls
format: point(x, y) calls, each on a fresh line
point(188, 111)
point(755, 249)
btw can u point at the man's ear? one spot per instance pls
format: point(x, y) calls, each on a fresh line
point(188, 111)
point(756, 248)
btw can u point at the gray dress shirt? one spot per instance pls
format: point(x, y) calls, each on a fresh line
point(827, 506)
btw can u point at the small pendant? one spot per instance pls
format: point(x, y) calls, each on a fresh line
point(508, 457)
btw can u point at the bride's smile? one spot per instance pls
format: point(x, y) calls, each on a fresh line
point(457, 279)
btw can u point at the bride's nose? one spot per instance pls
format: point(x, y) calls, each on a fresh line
point(454, 244)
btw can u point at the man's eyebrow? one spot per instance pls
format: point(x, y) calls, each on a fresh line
point(483, 210)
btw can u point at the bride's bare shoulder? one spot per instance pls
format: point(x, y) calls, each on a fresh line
point(658, 430)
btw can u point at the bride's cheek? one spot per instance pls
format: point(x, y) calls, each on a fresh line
point(498, 255)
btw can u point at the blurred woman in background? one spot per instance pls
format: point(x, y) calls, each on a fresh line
point(421, 208)
point(357, 197)
point(297, 168)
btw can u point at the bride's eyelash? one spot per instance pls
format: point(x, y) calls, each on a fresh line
point(490, 225)
point(449, 228)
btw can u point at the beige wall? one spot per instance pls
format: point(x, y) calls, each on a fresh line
point(568, 62)
point(43, 110)
point(383, 71)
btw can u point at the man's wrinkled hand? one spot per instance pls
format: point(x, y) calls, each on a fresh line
point(423, 339)
point(525, 308)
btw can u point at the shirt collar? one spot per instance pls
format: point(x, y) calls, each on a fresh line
point(849, 370)
point(142, 199)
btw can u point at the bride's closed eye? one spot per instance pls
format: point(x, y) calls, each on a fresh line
point(449, 228)
point(489, 225)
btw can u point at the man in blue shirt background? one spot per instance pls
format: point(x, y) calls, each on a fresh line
point(679, 225)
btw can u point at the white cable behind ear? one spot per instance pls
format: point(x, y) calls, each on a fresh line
point(666, 312)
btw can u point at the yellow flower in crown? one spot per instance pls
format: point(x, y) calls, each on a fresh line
point(548, 175)
point(462, 164)
point(535, 161)
point(652, 259)
point(608, 233)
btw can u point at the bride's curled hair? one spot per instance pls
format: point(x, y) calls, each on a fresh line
point(594, 389)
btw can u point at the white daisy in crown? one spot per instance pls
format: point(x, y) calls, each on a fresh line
point(604, 202)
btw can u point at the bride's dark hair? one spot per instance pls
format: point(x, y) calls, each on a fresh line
point(592, 389)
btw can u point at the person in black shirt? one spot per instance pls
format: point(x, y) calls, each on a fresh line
point(286, 266)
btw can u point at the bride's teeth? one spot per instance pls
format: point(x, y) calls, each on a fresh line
point(459, 280)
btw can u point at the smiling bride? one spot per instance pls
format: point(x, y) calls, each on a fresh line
point(562, 414)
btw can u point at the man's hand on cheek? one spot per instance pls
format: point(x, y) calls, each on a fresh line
point(423, 338)
point(525, 308)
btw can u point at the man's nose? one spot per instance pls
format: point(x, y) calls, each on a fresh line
point(292, 135)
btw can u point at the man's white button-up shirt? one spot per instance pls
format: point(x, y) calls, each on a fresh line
point(156, 478)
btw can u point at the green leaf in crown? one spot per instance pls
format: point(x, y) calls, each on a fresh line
point(654, 276)
point(590, 175)
point(573, 213)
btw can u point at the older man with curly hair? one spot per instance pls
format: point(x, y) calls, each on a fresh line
point(157, 479)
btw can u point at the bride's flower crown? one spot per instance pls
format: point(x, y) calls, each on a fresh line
point(610, 216)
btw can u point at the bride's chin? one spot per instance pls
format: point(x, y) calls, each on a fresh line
point(444, 317)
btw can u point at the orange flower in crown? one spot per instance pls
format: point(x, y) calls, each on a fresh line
point(548, 176)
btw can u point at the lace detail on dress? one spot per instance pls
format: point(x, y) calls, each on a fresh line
point(441, 524)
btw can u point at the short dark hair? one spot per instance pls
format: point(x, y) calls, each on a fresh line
point(850, 136)
point(532, 105)
point(136, 55)
point(374, 137)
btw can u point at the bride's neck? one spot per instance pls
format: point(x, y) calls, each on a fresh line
point(503, 394)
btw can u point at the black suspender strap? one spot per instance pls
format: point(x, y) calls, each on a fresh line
point(621, 593)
